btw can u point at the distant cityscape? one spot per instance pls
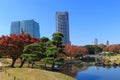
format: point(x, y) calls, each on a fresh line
point(95, 42)
point(31, 27)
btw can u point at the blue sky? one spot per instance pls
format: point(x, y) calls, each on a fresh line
point(88, 19)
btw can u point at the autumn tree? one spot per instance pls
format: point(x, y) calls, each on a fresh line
point(74, 51)
point(102, 46)
point(13, 45)
point(113, 48)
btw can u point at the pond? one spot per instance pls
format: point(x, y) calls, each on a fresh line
point(99, 73)
point(90, 72)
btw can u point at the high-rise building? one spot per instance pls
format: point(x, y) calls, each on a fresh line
point(62, 25)
point(15, 27)
point(96, 41)
point(107, 43)
point(27, 26)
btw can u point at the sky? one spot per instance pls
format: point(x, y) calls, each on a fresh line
point(88, 19)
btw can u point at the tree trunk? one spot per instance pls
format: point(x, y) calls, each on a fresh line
point(20, 59)
point(13, 61)
point(45, 65)
point(71, 56)
point(32, 65)
point(22, 63)
point(28, 64)
point(53, 64)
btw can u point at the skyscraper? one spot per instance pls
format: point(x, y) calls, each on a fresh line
point(28, 26)
point(107, 43)
point(96, 41)
point(15, 27)
point(62, 25)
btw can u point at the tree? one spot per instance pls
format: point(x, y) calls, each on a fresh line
point(46, 42)
point(55, 47)
point(33, 52)
point(90, 49)
point(70, 50)
point(93, 49)
point(74, 51)
point(102, 46)
point(97, 49)
point(31, 58)
point(13, 45)
point(113, 48)
point(44, 39)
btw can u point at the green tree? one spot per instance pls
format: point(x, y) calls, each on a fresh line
point(55, 47)
point(93, 49)
point(46, 42)
point(97, 49)
point(31, 58)
point(90, 49)
point(44, 39)
point(32, 53)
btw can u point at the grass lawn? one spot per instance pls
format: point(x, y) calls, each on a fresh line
point(32, 74)
point(114, 59)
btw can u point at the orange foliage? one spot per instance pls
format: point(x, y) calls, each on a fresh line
point(13, 45)
point(74, 50)
point(102, 46)
point(113, 48)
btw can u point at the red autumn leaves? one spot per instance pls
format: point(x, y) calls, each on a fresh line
point(74, 50)
point(13, 45)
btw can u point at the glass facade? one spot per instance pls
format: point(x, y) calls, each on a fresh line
point(62, 25)
point(15, 27)
point(28, 26)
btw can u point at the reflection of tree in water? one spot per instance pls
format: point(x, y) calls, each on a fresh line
point(106, 67)
point(71, 69)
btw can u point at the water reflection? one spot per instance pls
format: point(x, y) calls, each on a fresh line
point(72, 69)
point(85, 76)
point(99, 73)
point(90, 72)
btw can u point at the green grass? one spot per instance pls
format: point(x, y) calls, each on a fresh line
point(29, 73)
point(33, 74)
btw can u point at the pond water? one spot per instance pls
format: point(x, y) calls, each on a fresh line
point(99, 73)
point(90, 72)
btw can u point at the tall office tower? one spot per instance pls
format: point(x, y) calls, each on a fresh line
point(15, 27)
point(107, 43)
point(27, 26)
point(62, 25)
point(95, 41)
